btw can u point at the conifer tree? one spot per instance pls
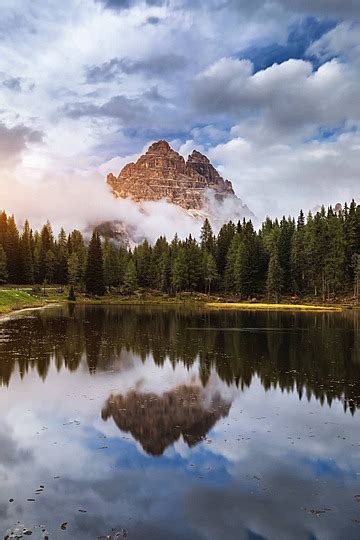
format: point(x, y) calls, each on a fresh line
point(26, 256)
point(94, 274)
point(130, 278)
point(207, 238)
point(61, 253)
point(11, 246)
point(3, 228)
point(356, 269)
point(179, 272)
point(210, 270)
point(50, 266)
point(73, 269)
point(3, 266)
point(224, 239)
point(232, 256)
point(46, 244)
point(111, 264)
point(193, 261)
point(274, 282)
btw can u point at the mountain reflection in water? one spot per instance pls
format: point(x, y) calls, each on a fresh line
point(159, 421)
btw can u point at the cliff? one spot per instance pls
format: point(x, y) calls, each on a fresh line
point(162, 173)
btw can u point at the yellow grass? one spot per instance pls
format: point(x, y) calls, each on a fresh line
point(290, 307)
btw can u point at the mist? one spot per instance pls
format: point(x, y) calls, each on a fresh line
point(85, 202)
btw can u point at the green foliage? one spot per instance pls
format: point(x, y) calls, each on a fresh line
point(131, 278)
point(318, 256)
point(274, 282)
point(3, 266)
point(94, 274)
point(179, 272)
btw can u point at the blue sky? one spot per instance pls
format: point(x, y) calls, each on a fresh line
point(258, 85)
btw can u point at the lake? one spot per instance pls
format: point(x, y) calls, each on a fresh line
point(176, 423)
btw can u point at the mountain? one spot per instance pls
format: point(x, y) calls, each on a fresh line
point(162, 173)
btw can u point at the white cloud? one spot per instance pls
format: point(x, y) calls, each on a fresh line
point(273, 112)
point(280, 178)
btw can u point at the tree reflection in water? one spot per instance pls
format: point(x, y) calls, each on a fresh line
point(314, 354)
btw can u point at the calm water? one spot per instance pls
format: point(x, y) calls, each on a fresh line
point(153, 423)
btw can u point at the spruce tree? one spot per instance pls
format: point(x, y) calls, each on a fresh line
point(26, 256)
point(61, 253)
point(274, 282)
point(73, 269)
point(3, 266)
point(179, 272)
point(207, 238)
point(94, 274)
point(210, 270)
point(130, 278)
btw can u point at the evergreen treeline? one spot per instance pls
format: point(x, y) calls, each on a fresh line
point(317, 256)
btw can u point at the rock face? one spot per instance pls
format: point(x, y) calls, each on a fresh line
point(162, 173)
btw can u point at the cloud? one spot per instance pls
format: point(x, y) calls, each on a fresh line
point(325, 8)
point(185, 79)
point(13, 83)
point(130, 111)
point(277, 177)
point(126, 4)
point(290, 96)
point(73, 202)
point(342, 41)
point(160, 65)
point(15, 140)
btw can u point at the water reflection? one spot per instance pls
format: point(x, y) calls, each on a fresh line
point(159, 421)
point(169, 424)
point(315, 355)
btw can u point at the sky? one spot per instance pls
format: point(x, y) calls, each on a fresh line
point(268, 89)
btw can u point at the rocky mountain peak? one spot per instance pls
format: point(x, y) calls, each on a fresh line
point(161, 147)
point(162, 173)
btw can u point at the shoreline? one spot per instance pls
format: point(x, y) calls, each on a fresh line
point(13, 301)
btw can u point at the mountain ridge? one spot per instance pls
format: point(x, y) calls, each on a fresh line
point(162, 173)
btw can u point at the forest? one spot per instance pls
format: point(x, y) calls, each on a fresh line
point(317, 256)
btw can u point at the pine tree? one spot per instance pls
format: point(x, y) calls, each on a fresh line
point(46, 244)
point(179, 272)
point(232, 256)
point(130, 278)
point(3, 228)
point(274, 282)
point(193, 261)
point(207, 238)
point(94, 274)
point(210, 270)
point(11, 247)
point(224, 239)
point(144, 264)
point(50, 266)
point(298, 263)
point(356, 269)
point(3, 266)
point(26, 256)
point(111, 264)
point(61, 253)
point(73, 269)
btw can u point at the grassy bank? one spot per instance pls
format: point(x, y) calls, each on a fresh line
point(277, 307)
point(12, 300)
point(15, 299)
